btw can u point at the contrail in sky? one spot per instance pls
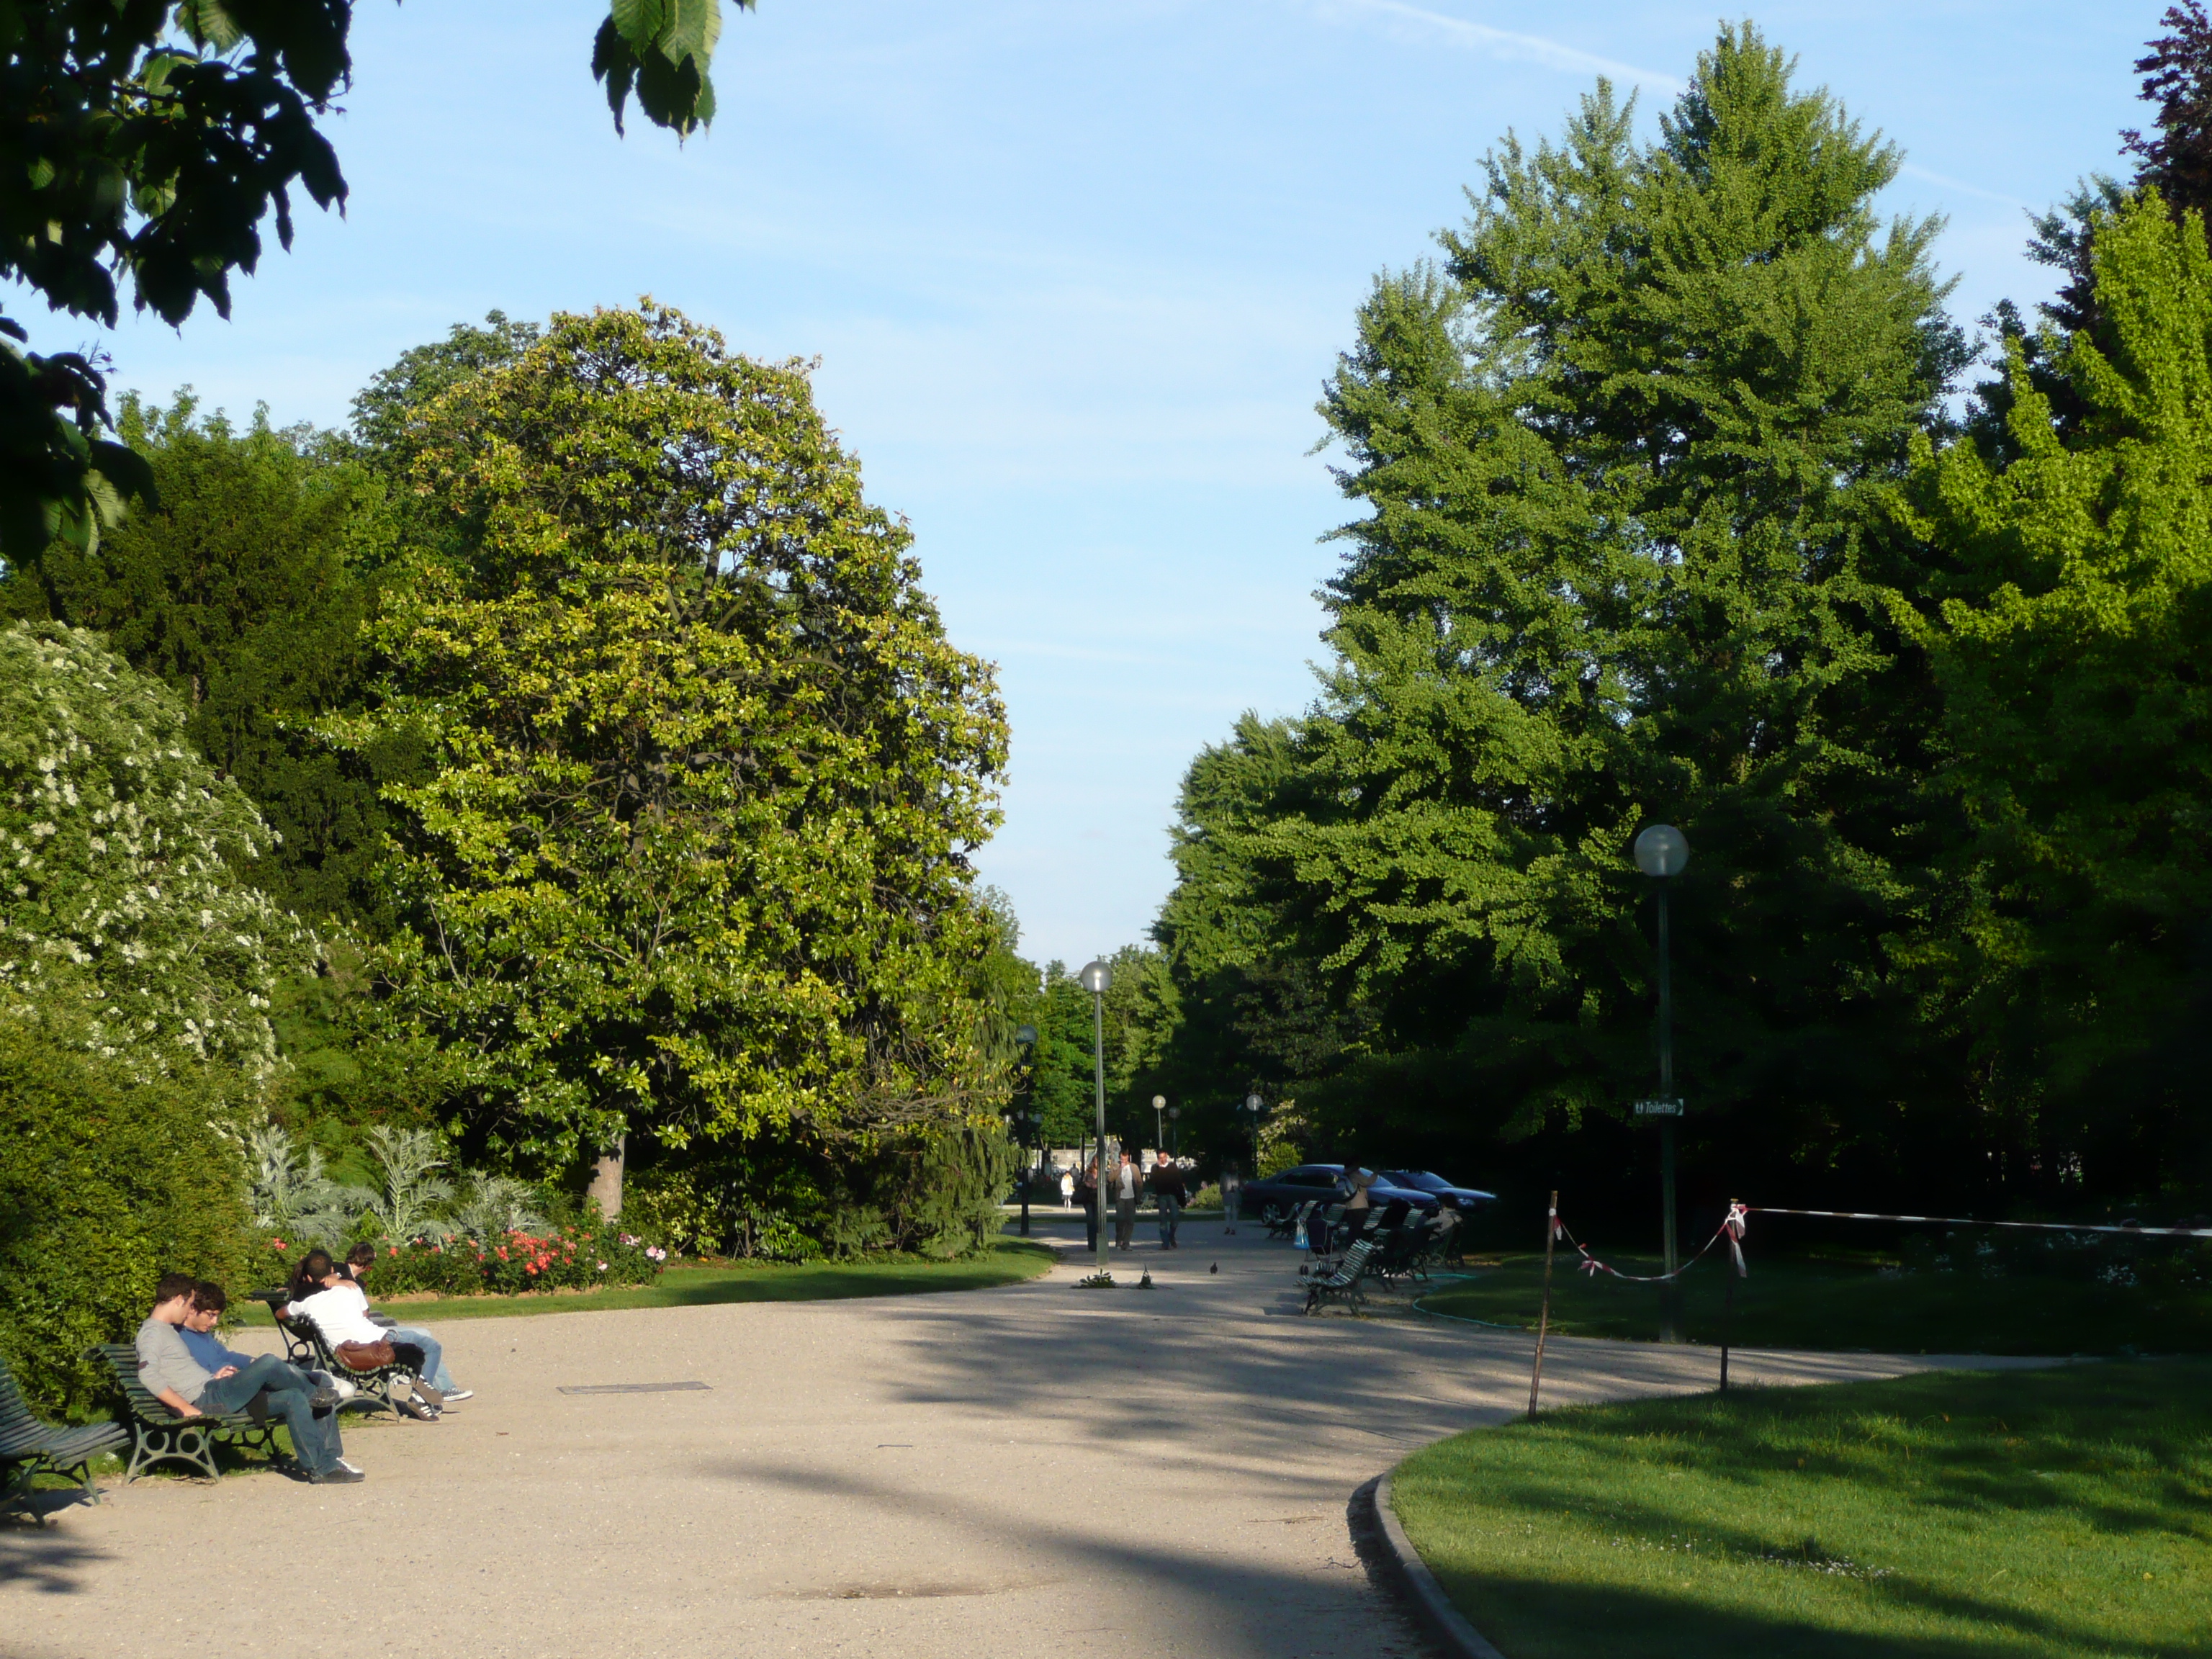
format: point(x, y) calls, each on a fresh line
point(1503, 43)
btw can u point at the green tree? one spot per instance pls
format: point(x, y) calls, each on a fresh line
point(2073, 641)
point(1625, 559)
point(245, 591)
point(150, 139)
point(120, 850)
point(693, 862)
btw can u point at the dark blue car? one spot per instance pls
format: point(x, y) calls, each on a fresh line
point(1278, 1195)
point(1466, 1200)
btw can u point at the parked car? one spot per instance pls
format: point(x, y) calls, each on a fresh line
point(1466, 1200)
point(1277, 1195)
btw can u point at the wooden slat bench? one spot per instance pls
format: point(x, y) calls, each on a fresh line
point(161, 1436)
point(29, 1447)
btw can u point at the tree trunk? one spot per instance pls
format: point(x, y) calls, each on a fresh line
point(607, 1179)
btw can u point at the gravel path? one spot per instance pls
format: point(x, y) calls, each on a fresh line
point(1124, 1473)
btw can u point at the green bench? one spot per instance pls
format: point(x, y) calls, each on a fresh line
point(159, 1435)
point(1340, 1280)
point(29, 1447)
point(304, 1346)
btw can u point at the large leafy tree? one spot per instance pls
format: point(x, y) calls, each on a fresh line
point(2072, 634)
point(143, 145)
point(246, 591)
point(693, 862)
point(1623, 559)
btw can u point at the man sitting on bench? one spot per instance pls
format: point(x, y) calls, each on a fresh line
point(188, 1388)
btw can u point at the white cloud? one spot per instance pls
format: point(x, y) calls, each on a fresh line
point(1420, 21)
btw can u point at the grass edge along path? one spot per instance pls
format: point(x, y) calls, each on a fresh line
point(1009, 1262)
point(1995, 1515)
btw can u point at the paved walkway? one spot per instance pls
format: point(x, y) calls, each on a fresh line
point(1127, 1473)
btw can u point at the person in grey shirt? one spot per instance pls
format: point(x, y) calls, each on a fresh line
point(188, 1388)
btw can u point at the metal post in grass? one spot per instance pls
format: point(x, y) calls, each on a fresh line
point(1544, 1313)
point(1095, 978)
point(1663, 853)
point(1025, 1036)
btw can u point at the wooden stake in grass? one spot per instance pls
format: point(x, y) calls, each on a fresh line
point(1544, 1314)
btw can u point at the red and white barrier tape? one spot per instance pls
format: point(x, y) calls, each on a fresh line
point(1955, 1221)
point(1731, 1229)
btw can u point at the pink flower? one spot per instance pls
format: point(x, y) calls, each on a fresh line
point(395, 1249)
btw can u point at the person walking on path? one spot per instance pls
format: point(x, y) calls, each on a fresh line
point(1087, 1194)
point(1128, 1182)
point(1233, 1193)
point(1168, 1196)
point(1067, 1189)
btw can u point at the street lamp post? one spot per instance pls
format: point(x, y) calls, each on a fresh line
point(1160, 1134)
point(1253, 1104)
point(1662, 854)
point(1095, 978)
point(1025, 1121)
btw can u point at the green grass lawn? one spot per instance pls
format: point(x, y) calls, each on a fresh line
point(1997, 1515)
point(1838, 1303)
point(692, 1285)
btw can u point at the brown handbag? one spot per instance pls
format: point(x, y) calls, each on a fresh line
point(365, 1355)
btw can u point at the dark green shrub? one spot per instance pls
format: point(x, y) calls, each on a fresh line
point(106, 1182)
point(941, 1189)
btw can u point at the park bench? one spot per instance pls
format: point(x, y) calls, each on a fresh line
point(1342, 1279)
point(161, 1436)
point(304, 1346)
point(29, 1447)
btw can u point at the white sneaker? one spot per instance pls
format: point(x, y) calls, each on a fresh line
point(344, 1464)
point(459, 1393)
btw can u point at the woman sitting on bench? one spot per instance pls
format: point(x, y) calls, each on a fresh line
point(338, 1309)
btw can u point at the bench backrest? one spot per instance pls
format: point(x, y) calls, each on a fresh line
point(1353, 1264)
point(15, 1410)
point(122, 1358)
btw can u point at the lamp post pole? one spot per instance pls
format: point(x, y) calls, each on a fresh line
point(1025, 1118)
point(1253, 1104)
point(1095, 977)
point(1663, 853)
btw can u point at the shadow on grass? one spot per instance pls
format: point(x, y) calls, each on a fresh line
point(1894, 1508)
point(1792, 1304)
point(1541, 1621)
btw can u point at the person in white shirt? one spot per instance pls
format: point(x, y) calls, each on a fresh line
point(339, 1310)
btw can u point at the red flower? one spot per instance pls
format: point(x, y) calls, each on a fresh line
point(502, 1252)
point(532, 1267)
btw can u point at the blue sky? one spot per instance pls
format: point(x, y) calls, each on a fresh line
point(1075, 272)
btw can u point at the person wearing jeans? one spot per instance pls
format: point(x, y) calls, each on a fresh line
point(359, 1260)
point(1168, 1196)
point(340, 1311)
point(172, 1376)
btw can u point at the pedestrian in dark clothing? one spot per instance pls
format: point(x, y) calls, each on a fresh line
point(1168, 1196)
point(1086, 1194)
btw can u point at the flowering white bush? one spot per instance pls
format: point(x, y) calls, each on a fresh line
point(120, 853)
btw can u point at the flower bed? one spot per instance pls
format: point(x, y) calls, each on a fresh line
point(514, 1264)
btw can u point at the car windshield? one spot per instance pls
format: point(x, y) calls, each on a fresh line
point(1420, 1180)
